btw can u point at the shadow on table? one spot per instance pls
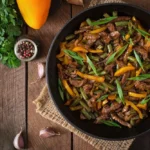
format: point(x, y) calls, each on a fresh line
point(141, 143)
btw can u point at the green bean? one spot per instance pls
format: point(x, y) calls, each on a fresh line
point(99, 47)
point(115, 13)
point(91, 72)
point(84, 105)
point(104, 55)
point(132, 59)
point(121, 23)
point(108, 77)
point(86, 114)
point(83, 68)
point(61, 93)
point(109, 46)
point(96, 58)
point(108, 85)
point(130, 28)
point(106, 15)
point(74, 108)
point(70, 37)
point(102, 73)
point(98, 91)
point(89, 22)
point(83, 94)
point(75, 102)
point(101, 87)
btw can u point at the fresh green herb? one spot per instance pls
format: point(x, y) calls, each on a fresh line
point(10, 28)
point(142, 32)
point(61, 89)
point(110, 123)
point(100, 22)
point(116, 54)
point(138, 59)
point(120, 92)
point(140, 77)
point(145, 100)
point(102, 98)
point(121, 23)
point(75, 56)
point(91, 65)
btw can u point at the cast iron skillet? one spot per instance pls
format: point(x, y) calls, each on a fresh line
point(98, 131)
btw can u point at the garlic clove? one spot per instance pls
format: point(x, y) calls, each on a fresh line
point(76, 2)
point(48, 132)
point(41, 70)
point(18, 141)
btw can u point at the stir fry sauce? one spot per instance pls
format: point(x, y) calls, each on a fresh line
point(104, 71)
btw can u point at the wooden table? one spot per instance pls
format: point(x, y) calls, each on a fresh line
point(17, 94)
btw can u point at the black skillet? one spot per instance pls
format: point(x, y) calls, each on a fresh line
point(98, 131)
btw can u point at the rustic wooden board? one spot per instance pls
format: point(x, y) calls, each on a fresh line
point(12, 105)
point(35, 122)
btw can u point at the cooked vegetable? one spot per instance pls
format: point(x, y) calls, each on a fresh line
point(106, 71)
point(35, 16)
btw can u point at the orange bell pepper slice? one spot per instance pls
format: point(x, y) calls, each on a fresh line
point(129, 103)
point(95, 51)
point(142, 106)
point(98, 30)
point(79, 49)
point(99, 105)
point(62, 47)
point(68, 88)
point(137, 95)
point(112, 97)
point(123, 70)
point(138, 72)
point(90, 77)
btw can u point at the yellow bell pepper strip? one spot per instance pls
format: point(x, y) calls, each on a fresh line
point(79, 49)
point(90, 77)
point(142, 106)
point(95, 51)
point(61, 59)
point(123, 70)
point(104, 102)
point(127, 36)
point(62, 47)
point(138, 72)
point(66, 60)
point(68, 88)
point(129, 103)
point(99, 105)
point(98, 30)
point(147, 44)
point(112, 97)
point(137, 95)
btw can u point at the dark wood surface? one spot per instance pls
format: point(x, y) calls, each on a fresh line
point(17, 92)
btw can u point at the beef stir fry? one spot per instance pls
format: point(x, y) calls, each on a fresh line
point(104, 71)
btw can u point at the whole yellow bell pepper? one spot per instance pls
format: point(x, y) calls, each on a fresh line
point(34, 12)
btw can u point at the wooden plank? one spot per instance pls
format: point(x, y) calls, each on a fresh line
point(78, 143)
point(35, 122)
point(12, 105)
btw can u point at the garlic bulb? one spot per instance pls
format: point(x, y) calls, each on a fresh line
point(18, 141)
point(48, 132)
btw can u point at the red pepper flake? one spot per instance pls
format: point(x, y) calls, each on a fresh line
point(26, 49)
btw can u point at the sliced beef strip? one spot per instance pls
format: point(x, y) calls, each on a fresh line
point(77, 83)
point(122, 122)
point(105, 37)
point(115, 35)
point(142, 85)
point(111, 27)
point(87, 88)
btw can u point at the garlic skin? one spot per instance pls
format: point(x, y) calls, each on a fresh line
point(41, 69)
point(18, 141)
point(47, 132)
point(76, 2)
